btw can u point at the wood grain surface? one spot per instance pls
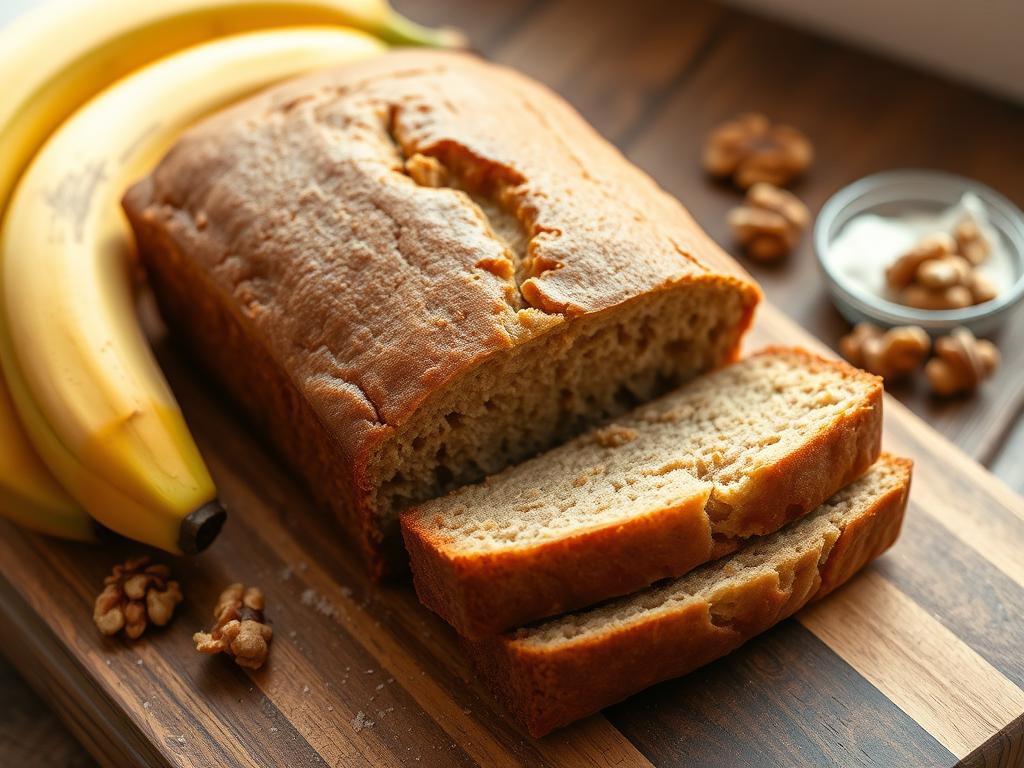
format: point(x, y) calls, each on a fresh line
point(918, 662)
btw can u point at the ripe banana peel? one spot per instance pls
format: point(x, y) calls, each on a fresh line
point(56, 57)
point(83, 379)
point(29, 494)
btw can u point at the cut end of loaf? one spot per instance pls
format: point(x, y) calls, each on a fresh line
point(543, 392)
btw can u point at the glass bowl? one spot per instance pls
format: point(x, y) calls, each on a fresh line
point(893, 193)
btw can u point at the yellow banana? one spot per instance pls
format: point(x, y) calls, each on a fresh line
point(88, 390)
point(29, 494)
point(56, 57)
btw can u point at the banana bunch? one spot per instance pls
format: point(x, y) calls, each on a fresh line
point(89, 429)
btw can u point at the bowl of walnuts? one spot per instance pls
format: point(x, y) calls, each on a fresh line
point(922, 248)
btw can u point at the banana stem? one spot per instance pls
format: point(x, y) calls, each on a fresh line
point(398, 30)
point(200, 528)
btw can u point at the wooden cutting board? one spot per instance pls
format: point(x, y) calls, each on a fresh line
point(919, 661)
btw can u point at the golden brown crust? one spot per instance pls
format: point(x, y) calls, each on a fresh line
point(869, 535)
point(547, 688)
point(481, 594)
point(299, 217)
point(488, 593)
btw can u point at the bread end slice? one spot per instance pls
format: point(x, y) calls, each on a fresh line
point(561, 670)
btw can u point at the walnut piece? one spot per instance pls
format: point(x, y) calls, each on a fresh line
point(970, 241)
point(890, 354)
point(749, 149)
point(939, 272)
point(953, 297)
point(944, 272)
point(769, 223)
point(981, 287)
point(903, 271)
point(136, 594)
point(961, 363)
point(240, 629)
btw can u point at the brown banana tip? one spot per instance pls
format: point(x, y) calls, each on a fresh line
point(201, 527)
point(104, 535)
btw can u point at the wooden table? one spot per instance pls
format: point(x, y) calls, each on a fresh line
point(654, 77)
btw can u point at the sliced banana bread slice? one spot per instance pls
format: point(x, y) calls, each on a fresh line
point(574, 665)
point(673, 484)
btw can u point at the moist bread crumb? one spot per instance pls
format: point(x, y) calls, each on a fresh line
point(415, 270)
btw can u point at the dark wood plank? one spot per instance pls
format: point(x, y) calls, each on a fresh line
point(30, 734)
point(864, 114)
point(806, 705)
point(612, 61)
point(974, 599)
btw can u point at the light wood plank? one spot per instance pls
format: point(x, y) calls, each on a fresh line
point(925, 669)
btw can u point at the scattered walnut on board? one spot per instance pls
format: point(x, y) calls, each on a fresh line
point(136, 594)
point(240, 628)
point(890, 354)
point(961, 363)
point(769, 223)
point(750, 149)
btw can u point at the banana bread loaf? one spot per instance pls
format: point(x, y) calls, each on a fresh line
point(415, 270)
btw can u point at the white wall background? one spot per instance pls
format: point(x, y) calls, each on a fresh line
point(10, 8)
point(978, 41)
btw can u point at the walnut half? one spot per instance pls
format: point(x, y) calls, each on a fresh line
point(135, 594)
point(961, 363)
point(750, 149)
point(240, 628)
point(890, 354)
point(769, 223)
